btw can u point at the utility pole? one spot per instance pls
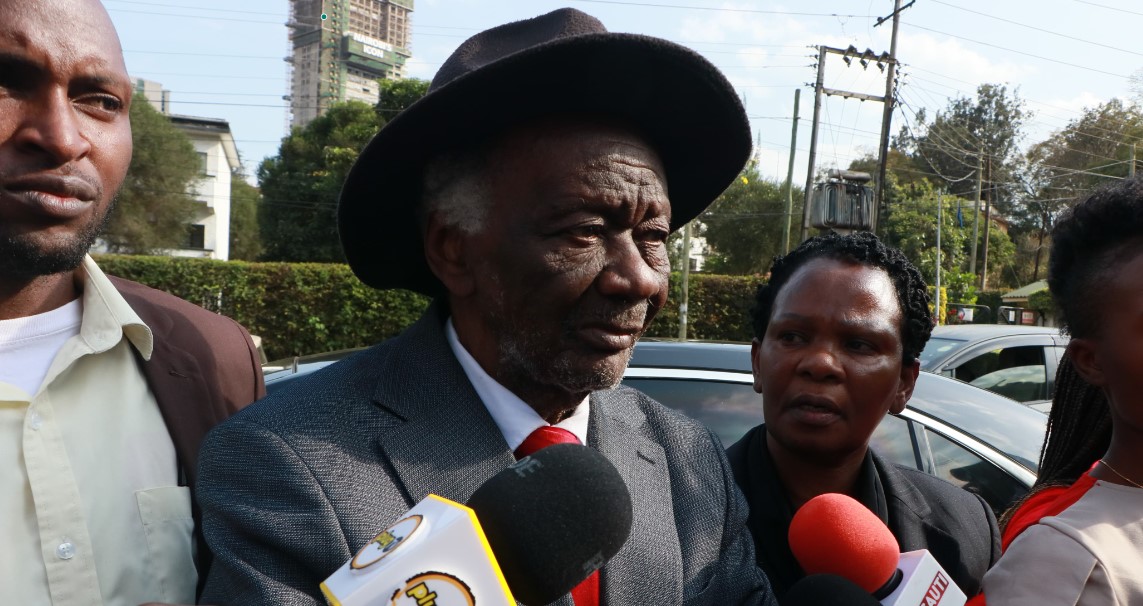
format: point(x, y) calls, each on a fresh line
point(686, 282)
point(940, 205)
point(865, 58)
point(976, 211)
point(987, 222)
point(790, 175)
point(887, 116)
point(809, 194)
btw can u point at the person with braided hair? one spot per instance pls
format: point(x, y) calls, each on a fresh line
point(1077, 539)
point(838, 331)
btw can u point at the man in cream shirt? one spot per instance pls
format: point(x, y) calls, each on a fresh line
point(106, 386)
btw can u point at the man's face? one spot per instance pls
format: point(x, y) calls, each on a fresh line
point(571, 265)
point(65, 138)
point(830, 364)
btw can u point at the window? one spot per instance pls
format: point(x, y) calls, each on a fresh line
point(728, 409)
point(1015, 372)
point(893, 440)
point(196, 237)
point(202, 164)
point(962, 467)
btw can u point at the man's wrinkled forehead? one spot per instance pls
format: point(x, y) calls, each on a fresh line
point(62, 32)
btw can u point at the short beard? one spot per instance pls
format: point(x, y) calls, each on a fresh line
point(23, 256)
point(524, 352)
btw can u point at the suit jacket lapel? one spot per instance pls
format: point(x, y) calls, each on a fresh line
point(909, 512)
point(650, 562)
point(443, 441)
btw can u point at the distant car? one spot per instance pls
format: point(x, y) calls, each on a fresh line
point(971, 437)
point(1017, 362)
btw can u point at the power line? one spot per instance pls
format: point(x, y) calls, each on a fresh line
point(1039, 29)
point(726, 10)
point(1110, 8)
point(1020, 52)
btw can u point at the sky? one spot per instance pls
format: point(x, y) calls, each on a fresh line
point(224, 58)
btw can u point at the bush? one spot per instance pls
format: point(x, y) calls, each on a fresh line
point(297, 308)
point(307, 308)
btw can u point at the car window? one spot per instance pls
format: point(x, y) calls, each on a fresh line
point(937, 349)
point(728, 409)
point(964, 468)
point(1014, 372)
point(893, 440)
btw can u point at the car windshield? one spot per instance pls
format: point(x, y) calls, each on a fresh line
point(937, 349)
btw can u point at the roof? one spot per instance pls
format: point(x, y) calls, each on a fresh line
point(1025, 291)
point(977, 332)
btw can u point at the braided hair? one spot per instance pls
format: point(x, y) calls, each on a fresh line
point(1089, 243)
point(866, 249)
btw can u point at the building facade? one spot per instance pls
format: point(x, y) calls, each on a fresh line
point(209, 232)
point(341, 48)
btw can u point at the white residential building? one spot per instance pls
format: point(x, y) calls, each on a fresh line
point(209, 233)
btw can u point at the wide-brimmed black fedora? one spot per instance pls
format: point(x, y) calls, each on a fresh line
point(561, 62)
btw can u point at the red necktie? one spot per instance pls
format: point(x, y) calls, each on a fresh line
point(587, 592)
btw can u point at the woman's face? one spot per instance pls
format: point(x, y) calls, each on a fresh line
point(830, 364)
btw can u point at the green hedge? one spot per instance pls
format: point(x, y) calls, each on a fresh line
point(305, 308)
point(297, 308)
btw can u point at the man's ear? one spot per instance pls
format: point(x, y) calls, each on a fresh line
point(445, 252)
point(909, 373)
point(1085, 357)
point(756, 363)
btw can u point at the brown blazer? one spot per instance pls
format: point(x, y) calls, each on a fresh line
point(204, 368)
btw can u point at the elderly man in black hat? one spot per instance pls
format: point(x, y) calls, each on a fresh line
point(531, 193)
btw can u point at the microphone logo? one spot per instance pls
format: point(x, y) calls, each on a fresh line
point(526, 467)
point(433, 589)
point(936, 591)
point(386, 543)
point(595, 563)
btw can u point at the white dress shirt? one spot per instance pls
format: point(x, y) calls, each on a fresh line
point(512, 415)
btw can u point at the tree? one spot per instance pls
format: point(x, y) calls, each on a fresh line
point(743, 228)
point(396, 95)
point(154, 208)
point(1090, 151)
point(245, 200)
point(300, 185)
point(988, 128)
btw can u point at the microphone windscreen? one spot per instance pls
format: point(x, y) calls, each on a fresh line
point(834, 534)
point(553, 518)
point(826, 590)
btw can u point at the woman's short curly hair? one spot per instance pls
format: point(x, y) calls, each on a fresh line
point(1089, 243)
point(866, 249)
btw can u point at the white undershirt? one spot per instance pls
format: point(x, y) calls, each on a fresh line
point(29, 345)
point(512, 415)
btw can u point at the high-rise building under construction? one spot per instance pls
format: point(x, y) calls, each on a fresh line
point(341, 48)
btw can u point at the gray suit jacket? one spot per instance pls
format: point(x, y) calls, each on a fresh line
point(294, 485)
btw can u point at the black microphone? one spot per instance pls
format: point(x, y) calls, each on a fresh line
point(827, 590)
point(530, 533)
point(554, 518)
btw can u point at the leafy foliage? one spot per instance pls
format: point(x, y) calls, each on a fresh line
point(396, 95)
point(743, 228)
point(300, 185)
point(154, 207)
point(985, 127)
point(245, 200)
point(300, 308)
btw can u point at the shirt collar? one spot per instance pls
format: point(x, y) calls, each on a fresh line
point(512, 415)
point(107, 317)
